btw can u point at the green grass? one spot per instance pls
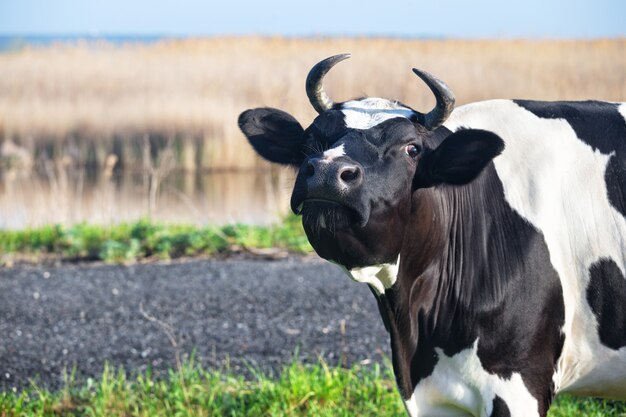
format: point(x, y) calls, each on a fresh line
point(567, 406)
point(300, 390)
point(142, 239)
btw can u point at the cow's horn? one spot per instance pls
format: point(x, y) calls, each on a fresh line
point(444, 96)
point(314, 83)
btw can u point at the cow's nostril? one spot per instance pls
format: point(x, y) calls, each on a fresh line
point(349, 174)
point(310, 169)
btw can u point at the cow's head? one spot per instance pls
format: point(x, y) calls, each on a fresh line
point(360, 161)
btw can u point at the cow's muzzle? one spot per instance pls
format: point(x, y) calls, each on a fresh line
point(330, 185)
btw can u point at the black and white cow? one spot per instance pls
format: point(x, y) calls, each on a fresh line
point(493, 236)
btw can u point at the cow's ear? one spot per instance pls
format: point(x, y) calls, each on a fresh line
point(458, 159)
point(274, 134)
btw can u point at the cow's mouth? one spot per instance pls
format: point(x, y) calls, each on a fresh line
point(324, 214)
point(333, 229)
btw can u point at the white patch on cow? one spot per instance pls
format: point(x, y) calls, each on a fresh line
point(379, 277)
point(460, 386)
point(556, 182)
point(369, 112)
point(335, 152)
point(622, 110)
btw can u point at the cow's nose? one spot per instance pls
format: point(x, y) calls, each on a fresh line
point(332, 176)
point(349, 174)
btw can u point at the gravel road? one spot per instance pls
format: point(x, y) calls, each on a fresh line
point(240, 312)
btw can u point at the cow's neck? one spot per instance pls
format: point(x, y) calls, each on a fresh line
point(452, 269)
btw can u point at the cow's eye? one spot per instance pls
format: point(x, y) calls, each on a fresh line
point(412, 151)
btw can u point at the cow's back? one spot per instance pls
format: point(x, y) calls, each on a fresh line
point(564, 171)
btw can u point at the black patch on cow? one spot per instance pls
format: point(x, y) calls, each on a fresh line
point(325, 130)
point(601, 126)
point(615, 177)
point(484, 274)
point(606, 295)
point(500, 409)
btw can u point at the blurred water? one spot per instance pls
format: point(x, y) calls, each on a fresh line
point(258, 197)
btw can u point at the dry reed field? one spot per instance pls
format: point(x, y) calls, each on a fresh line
point(100, 99)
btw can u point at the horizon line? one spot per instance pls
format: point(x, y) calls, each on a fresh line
point(166, 35)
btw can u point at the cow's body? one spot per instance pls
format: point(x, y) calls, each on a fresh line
point(570, 185)
point(502, 281)
point(531, 300)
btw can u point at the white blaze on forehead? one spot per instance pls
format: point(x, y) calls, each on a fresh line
point(335, 152)
point(369, 112)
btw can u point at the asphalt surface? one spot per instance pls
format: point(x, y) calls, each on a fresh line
point(228, 313)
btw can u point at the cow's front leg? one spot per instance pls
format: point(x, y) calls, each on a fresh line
point(476, 408)
point(459, 386)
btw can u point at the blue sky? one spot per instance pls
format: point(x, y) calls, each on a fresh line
point(436, 18)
